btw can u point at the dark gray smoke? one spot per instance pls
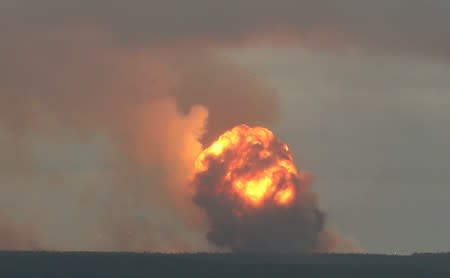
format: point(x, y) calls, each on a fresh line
point(297, 226)
point(271, 229)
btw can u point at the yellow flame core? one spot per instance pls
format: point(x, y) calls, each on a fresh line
point(258, 166)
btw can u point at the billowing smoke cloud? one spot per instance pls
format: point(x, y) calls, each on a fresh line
point(104, 106)
point(255, 198)
point(98, 138)
point(221, 86)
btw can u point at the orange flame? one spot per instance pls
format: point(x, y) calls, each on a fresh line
point(259, 168)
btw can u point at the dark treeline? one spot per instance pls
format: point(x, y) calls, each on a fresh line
point(111, 265)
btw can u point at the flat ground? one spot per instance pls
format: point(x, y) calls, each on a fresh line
point(111, 265)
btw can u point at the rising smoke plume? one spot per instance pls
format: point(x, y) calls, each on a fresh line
point(105, 106)
point(98, 139)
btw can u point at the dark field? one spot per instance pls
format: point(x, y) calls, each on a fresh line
point(46, 264)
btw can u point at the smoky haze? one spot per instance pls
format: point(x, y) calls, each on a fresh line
point(104, 105)
point(98, 139)
point(404, 25)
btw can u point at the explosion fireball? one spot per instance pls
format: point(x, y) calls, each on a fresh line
point(259, 168)
point(253, 194)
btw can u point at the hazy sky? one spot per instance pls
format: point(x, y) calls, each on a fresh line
point(374, 130)
point(359, 89)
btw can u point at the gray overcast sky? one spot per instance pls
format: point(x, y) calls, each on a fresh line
point(416, 25)
point(363, 89)
point(375, 132)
